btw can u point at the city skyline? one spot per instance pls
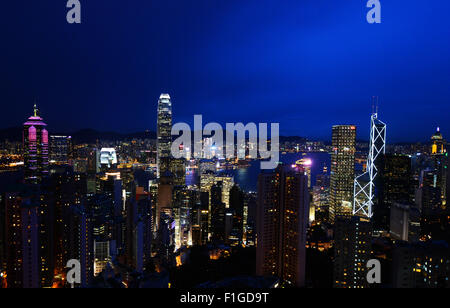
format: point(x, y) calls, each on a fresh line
point(225, 67)
point(254, 145)
point(118, 134)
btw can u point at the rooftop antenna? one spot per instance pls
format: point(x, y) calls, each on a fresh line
point(375, 106)
point(35, 109)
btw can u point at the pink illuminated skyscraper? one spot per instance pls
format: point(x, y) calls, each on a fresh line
point(35, 148)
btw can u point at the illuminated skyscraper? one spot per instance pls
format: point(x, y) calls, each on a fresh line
point(164, 133)
point(440, 159)
point(364, 192)
point(282, 218)
point(35, 148)
point(178, 169)
point(342, 170)
point(304, 166)
point(438, 142)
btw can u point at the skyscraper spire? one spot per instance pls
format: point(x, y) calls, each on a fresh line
point(35, 110)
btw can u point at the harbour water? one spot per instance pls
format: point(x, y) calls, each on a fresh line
point(247, 178)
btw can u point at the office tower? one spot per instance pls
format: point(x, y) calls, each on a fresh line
point(195, 218)
point(182, 211)
point(178, 169)
point(101, 207)
point(320, 199)
point(22, 238)
point(321, 196)
point(421, 265)
point(282, 218)
point(440, 162)
point(323, 179)
point(227, 184)
point(352, 251)
point(438, 143)
point(30, 245)
point(80, 242)
point(58, 193)
point(60, 149)
point(364, 185)
point(342, 170)
point(35, 148)
point(164, 134)
point(139, 230)
point(13, 237)
point(304, 166)
point(404, 222)
point(165, 194)
point(108, 159)
point(93, 165)
point(394, 185)
point(250, 218)
point(428, 199)
point(153, 190)
point(102, 256)
point(47, 239)
point(218, 207)
point(237, 203)
point(204, 217)
point(165, 240)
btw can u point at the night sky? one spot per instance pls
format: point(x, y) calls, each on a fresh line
point(307, 64)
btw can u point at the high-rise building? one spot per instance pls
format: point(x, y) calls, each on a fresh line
point(437, 143)
point(164, 134)
point(60, 149)
point(342, 170)
point(394, 185)
point(80, 242)
point(428, 199)
point(421, 265)
point(182, 199)
point(282, 218)
point(304, 165)
point(227, 184)
point(35, 148)
point(217, 214)
point(404, 223)
point(236, 228)
point(22, 238)
point(178, 169)
point(165, 195)
point(440, 160)
point(352, 251)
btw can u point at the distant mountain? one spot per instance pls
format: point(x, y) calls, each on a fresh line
point(81, 136)
point(11, 134)
point(92, 135)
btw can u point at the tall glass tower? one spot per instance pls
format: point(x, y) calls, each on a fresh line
point(35, 148)
point(342, 170)
point(164, 134)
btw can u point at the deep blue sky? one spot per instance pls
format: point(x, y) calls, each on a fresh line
point(307, 64)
